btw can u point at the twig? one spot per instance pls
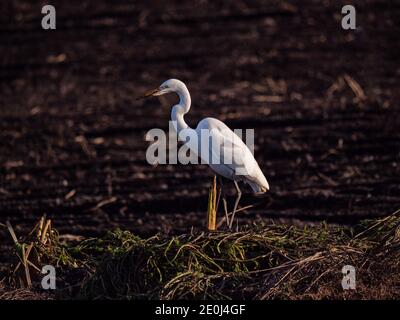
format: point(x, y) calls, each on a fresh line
point(354, 85)
point(46, 228)
point(25, 256)
point(11, 230)
point(238, 210)
point(103, 203)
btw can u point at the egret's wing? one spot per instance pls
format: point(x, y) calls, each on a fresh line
point(225, 150)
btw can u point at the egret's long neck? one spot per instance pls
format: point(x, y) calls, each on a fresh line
point(179, 110)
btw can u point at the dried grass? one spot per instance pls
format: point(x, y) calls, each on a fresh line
point(260, 262)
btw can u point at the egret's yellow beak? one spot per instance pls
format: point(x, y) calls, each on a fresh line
point(149, 93)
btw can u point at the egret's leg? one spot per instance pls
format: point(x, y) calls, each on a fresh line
point(239, 195)
point(226, 210)
point(219, 191)
point(224, 201)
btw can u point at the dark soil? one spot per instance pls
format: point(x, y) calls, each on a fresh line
point(324, 103)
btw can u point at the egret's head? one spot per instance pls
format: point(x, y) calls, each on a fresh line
point(171, 85)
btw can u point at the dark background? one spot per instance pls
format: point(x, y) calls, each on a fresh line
point(323, 102)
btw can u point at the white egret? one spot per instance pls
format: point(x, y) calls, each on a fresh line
point(225, 144)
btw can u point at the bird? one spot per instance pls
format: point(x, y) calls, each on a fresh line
point(226, 144)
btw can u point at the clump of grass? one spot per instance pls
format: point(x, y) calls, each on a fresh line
point(260, 262)
point(275, 261)
point(41, 246)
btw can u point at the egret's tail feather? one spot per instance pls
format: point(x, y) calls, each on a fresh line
point(258, 188)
